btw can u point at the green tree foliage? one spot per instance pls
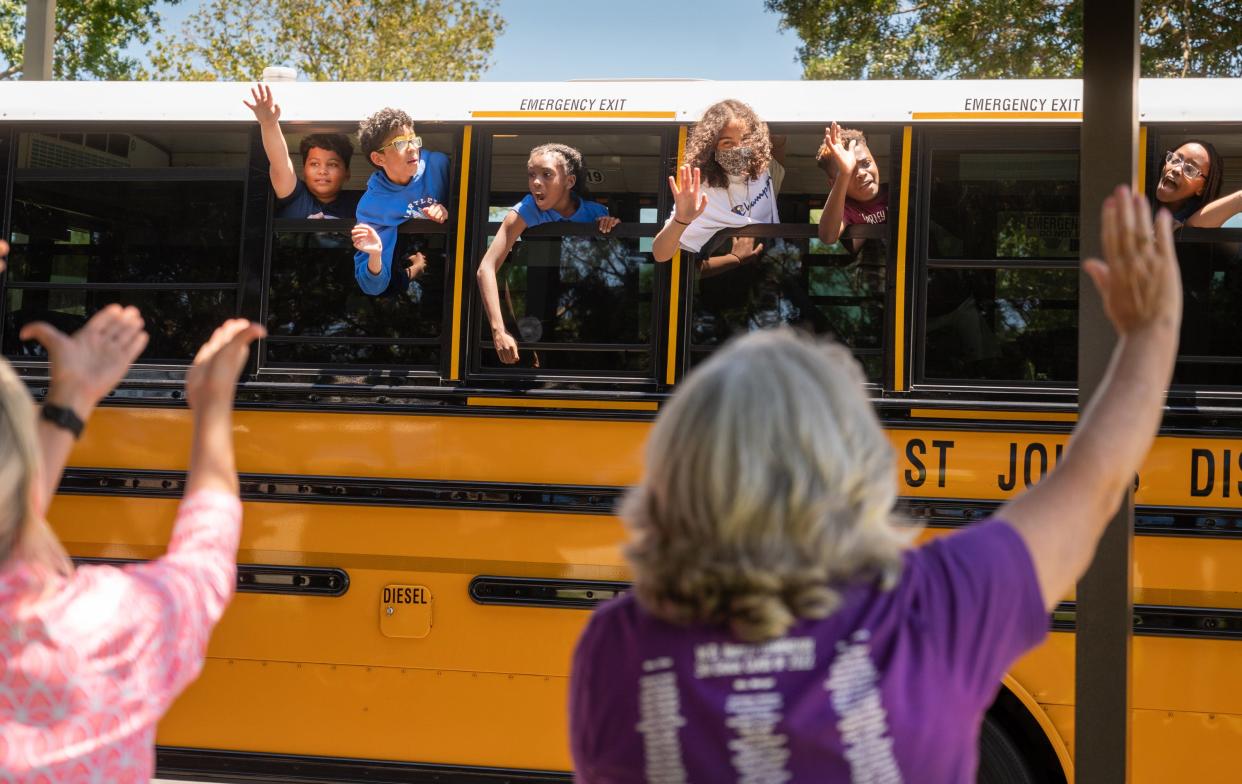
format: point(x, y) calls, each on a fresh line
point(992, 39)
point(343, 40)
point(91, 36)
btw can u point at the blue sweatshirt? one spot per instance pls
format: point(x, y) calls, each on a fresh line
point(386, 205)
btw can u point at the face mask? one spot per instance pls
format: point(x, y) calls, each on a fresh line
point(734, 161)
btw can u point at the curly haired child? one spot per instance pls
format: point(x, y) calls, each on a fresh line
point(731, 149)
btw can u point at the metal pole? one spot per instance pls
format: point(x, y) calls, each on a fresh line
point(1104, 619)
point(40, 38)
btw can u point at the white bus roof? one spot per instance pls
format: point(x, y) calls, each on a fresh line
point(679, 101)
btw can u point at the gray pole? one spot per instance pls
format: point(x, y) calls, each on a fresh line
point(40, 37)
point(1109, 157)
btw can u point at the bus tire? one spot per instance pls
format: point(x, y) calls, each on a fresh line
point(1000, 762)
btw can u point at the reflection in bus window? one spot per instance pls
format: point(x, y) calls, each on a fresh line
point(178, 321)
point(145, 149)
point(801, 283)
point(1002, 324)
point(170, 247)
point(1003, 205)
point(317, 316)
point(578, 304)
point(67, 231)
point(1210, 351)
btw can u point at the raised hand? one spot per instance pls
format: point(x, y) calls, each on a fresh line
point(745, 249)
point(841, 154)
point(89, 364)
point(607, 223)
point(1138, 278)
point(689, 200)
point(436, 212)
point(4, 252)
point(265, 108)
point(211, 380)
point(506, 346)
point(366, 239)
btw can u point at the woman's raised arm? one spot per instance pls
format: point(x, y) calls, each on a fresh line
point(1062, 518)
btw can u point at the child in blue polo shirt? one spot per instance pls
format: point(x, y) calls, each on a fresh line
point(555, 176)
point(408, 183)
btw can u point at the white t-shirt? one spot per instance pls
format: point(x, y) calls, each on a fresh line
point(743, 202)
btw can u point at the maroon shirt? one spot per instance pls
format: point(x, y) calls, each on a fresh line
point(874, 211)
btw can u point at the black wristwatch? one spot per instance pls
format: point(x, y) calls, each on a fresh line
point(63, 417)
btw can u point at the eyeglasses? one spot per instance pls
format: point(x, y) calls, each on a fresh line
point(1177, 161)
point(402, 143)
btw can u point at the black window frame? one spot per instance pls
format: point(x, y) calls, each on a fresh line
point(166, 373)
point(473, 373)
point(1026, 137)
point(368, 373)
point(892, 177)
point(1181, 393)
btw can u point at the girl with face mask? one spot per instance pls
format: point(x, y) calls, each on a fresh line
point(728, 180)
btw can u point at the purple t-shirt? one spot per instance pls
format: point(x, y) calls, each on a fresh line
point(890, 688)
point(874, 211)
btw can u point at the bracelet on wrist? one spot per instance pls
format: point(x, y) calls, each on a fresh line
point(683, 223)
point(64, 418)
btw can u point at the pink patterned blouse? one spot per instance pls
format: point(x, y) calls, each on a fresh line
point(88, 671)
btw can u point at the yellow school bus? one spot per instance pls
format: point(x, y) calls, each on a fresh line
point(427, 530)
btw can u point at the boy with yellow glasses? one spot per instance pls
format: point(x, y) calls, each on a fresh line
point(408, 183)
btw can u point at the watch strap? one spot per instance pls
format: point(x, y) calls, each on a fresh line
point(63, 417)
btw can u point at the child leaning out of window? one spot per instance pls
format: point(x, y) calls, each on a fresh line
point(855, 194)
point(555, 176)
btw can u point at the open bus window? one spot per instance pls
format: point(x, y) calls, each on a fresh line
point(577, 302)
point(797, 282)
point(316, 314)
point(136, 149)
point(1001, 281)
point(836, 290)
point(83, 238)
point(804, 186)
point(1210, 349)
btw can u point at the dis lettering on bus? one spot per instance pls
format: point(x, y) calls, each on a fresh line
point(1212, 472)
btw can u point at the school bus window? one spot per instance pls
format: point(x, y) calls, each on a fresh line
point(148, 149)
point(109, 216)
point(177, 321)
point(317, 314)
point(804, 185)
point(823, 290)
point(835, 289)
point(1210, 349)
point(576, 301)
point(315, 304)
point(992, 205)
point(1001, 324)
point(1000, 282)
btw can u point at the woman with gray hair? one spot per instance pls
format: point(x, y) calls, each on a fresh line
point(91, 658)
point(781, 626)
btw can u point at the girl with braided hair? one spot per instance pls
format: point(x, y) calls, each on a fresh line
point(555, 176)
